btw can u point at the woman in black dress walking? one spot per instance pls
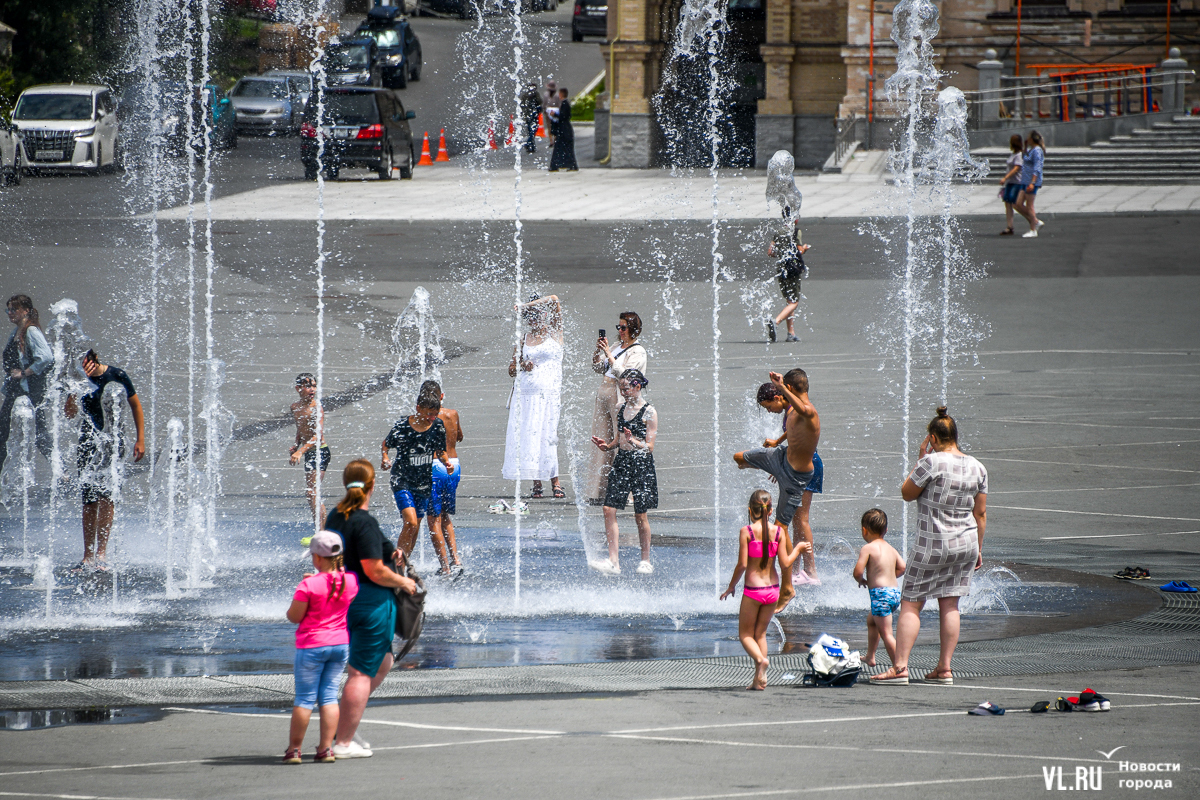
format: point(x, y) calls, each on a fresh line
point(564, 143)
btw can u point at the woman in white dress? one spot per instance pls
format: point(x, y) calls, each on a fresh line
point(531, 445)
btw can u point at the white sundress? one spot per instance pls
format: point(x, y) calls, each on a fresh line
point(531, 444)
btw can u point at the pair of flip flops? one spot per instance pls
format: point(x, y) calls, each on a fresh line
point(1178, 586)
point(1132, 574)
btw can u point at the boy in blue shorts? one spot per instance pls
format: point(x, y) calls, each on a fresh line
point(878, 567)
point(446, 478)
point(418, 440)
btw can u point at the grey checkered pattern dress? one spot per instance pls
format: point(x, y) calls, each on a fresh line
point(943, 556)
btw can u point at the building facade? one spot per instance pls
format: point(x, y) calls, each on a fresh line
point(793, 67)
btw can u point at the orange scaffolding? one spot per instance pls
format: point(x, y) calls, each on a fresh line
point(1130, 83)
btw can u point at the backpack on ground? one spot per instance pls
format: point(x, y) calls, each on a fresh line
point(831, 663)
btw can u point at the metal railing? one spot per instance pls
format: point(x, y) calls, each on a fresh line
point(847, 135)
point(1064, 93)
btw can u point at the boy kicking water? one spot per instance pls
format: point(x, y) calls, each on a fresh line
point(418, 440)
point(309, 419)
point(773, 400)
point(878, 567)
point(791, 465)
point(445, 479)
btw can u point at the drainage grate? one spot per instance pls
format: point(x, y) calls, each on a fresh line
point(1169, 635)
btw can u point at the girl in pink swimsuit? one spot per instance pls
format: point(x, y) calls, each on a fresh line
point(759, 547)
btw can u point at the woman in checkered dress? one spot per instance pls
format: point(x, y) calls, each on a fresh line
point(950, 488)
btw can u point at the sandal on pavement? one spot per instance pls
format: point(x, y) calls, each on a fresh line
point(536, 494)
point(892, 676)
point(946, 679)
point(1007, 232)
point(1177, 586)
point(325, 756)
point(559, 494)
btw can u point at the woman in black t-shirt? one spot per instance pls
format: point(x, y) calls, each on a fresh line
point(372, 615)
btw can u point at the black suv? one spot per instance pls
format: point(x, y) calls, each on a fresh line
point(590, 19)
point(399, 47)
point(353, 63)
point(361, 128)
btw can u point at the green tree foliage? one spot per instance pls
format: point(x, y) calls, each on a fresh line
point(62, 40)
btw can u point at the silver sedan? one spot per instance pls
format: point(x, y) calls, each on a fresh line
point(266, 105)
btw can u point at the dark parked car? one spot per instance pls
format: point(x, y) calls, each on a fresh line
point(590, 19)
point(362, 127)
point(399, 47)
point(353, 63)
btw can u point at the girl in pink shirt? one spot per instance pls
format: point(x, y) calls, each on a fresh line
point(322, 643)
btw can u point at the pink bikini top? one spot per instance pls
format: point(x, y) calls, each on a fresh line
point(754, 546)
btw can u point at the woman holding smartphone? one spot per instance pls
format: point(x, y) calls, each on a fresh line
point(611, 363)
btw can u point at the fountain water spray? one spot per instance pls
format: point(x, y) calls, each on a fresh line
point(317, 66)
point(914, 25)
point(519, 41)
point(173, 457)
point(112, 446)
point(17, 476)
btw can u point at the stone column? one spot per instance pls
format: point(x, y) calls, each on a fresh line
point(989, 90)
point(635, 81)
point(1172, 70)
point(775, 121)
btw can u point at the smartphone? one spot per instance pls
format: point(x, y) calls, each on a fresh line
point(602, 336)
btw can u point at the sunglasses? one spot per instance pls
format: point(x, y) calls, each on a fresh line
point(622, 327)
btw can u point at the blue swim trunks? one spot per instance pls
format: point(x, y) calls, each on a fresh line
point(423, 504)
point(445, 487)
point(884, 600)
point(818, 478)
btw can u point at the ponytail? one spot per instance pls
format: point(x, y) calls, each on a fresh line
point(359, 479)
point(337, 583)
point(760, 511)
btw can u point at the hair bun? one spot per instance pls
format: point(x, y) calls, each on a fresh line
point(942, 411)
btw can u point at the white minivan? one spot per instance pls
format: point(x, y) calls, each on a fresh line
point(67, 126)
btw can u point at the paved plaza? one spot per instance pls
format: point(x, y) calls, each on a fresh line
point(1080, 400)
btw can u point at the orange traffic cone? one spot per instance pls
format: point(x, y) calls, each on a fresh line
point(491, 145)
point(541, 131)
point(512, 133)
point(442, 154)
point(426, 160)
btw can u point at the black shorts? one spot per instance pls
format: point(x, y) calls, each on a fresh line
point(789, 286)
point(310, 459)
point(632, 472)
point(93, 467)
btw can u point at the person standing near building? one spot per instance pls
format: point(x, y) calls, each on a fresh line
point(1010, 184)
point(564, 143)
point(550, 109)
point(531, 107)
point(96, 451)
point(27, 359)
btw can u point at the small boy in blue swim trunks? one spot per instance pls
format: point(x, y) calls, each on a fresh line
point(418, 440)
point(878, 567)
point(445, 481)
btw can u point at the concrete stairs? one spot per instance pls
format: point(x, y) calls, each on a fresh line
point(1166, 152)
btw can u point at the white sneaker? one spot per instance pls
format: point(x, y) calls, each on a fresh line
point(1041, 222)
point(1030, 235)
point(361, 742)
point(606, 566)
point(352, 750)
point(645, 568)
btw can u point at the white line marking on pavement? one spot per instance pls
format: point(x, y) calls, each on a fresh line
point(1096, 513)
point(1117, 535)
point(1091, 488)
point(1083, 464)
point(461, 744)
point(104, 766)
point(848, 787)
point(287, 716)
point(74, 796)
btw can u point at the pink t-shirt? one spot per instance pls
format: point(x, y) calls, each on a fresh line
point(324, 623)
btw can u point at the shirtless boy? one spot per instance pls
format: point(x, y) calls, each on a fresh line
point(316, 457)
point(878, 567)
point(445, 482)
point(773, 400)
point(791, 465)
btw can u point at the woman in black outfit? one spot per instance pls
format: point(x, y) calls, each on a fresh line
point(372, 615)
point(564, 143)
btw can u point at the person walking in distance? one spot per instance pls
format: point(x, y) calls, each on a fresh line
point(445, 481)
point(563, 156)
point(27, 358)
point(310, 444)
point(788, 252)
point(1010, 184)
point(791, 465)
point(550, 109)
point(97, 450)
point(531, 107)
point(1031, 182)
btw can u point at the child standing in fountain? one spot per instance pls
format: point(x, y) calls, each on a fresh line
point(446, 478)
point(792, 465)
point(319, 606)
point(878, 567)
point(758, 549)
point(419, 439)
point(310, 440)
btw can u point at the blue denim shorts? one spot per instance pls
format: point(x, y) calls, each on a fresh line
point(1011, 190)
point(317, 672)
